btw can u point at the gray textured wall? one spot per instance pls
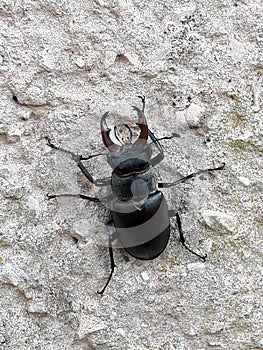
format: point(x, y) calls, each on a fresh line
point(200, 66)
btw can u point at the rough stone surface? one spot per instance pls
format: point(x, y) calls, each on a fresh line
point(62, 65)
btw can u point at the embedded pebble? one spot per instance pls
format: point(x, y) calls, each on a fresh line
point(120, 331)
point(193, 115)
point(133, 58)
point(219, 220)
point(123, 5)
point(110, 57)
point(80, 62)
point(145, 276)
point(33, 95)
point(14, 133)
point(37, 306)
point(33, 203)
point(47, 60)
point(245, 136)
point(89, 324)
point(196, 266)
point(12, 274)
point(244, 180)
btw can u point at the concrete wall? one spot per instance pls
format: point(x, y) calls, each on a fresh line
point(62, 65)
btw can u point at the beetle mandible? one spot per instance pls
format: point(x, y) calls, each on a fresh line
point(139, 210)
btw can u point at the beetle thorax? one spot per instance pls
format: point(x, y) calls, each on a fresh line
point(136, 186)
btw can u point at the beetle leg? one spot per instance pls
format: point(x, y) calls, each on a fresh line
point(182, 239)
point(102, 182)
point(183, 179)
point(73, 155)
point(142, 97)
point(174, 134)
point(110, 221)
point(159, 157)
point(78, 159)
point(112, 264)
point(81, 196)
point(171, 213)
point(59, 148)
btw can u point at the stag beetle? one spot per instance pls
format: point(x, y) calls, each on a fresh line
point(139, 210)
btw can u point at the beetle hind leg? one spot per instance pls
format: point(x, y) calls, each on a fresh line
point(111, 240)
point(182, 239)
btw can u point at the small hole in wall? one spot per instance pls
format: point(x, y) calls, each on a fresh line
point(122, 58)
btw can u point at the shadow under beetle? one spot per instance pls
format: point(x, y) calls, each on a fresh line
point(139, 210)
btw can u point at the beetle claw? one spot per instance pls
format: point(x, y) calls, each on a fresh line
point(142, 97)
point(204, 257)
point(49, 143)
point(50, 196)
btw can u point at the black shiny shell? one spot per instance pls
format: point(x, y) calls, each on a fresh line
point(143, 228)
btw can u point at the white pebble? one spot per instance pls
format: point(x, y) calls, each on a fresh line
point(145, 276)
point(219, 220)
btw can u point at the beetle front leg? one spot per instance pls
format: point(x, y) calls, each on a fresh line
point(81, 196)
point(78, 159)
point(111, 240)
point(160, 156)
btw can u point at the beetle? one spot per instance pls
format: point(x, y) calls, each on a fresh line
point(139, 211)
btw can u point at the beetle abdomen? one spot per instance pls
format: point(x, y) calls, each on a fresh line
point(143, 231)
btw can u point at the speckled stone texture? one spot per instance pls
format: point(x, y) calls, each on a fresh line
point(200, 66)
